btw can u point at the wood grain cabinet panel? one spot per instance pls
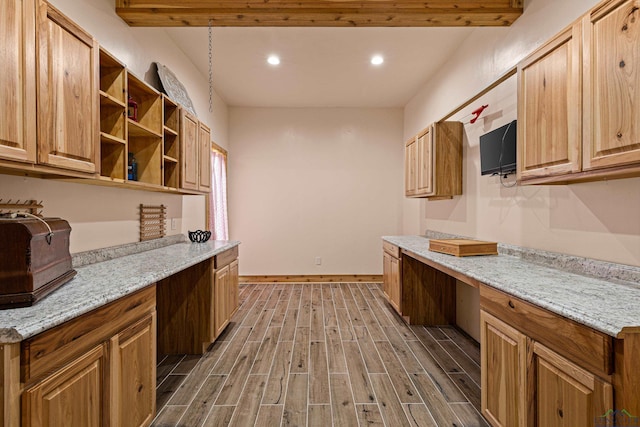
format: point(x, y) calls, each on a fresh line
point(612, 85)
point(17, 88)
point(204, 156)
point(68, 85)
point(221, 308)
point(578, 104)
point(392, 282)
point(503, 367)
point(433, 162)
point(134, 367)
point(550, 108)
point(234, 290)
point(71, 396)
point(189, 130)
point(565, 394)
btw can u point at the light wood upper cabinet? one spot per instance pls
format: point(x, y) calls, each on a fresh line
point(204, 155)
point(410, 167)
point(433, 162)
point(67, 103)
point(578, 104)
point(195, 155)
point(72, 396)
point(17, 88)
point(425, 162)
point(550, 108)
point(612, 85)
point(189, 130)
point(503, 367)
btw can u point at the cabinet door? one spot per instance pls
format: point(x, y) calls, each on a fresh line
point(386, 274)
point(17, 80)
point(425, 164)
point(189, 129)
point(611, 85)
point(68, 74)
point(395, 288)
point(410, 168)
point(134, 374)
point(503, 368)
point(71, 396)
point(550, 108)
point(220, 301)
point(204, 173)
point(233, 288)
point(565, 394)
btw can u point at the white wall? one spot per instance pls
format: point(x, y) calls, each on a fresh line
point(314, 182)
point(100, 216)
point(598, 220)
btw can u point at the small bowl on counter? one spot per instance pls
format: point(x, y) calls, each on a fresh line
point(199, 236)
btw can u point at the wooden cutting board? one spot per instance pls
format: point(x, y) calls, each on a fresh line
point(463, 247)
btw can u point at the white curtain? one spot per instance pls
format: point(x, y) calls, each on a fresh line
point(218, 222)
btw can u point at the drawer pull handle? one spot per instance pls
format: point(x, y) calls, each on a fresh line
point(511, 305)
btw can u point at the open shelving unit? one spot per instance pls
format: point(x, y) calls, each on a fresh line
point(113, 123)
point(145, 134)
point(171, 145)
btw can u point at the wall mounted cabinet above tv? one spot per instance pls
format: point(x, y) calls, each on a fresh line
point(433, 162)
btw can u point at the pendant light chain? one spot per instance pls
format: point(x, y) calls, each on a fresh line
point(210, 67)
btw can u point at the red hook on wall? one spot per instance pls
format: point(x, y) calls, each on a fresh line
point(476, 113)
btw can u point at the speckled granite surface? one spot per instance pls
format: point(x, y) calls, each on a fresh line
point(605, 305)
point(81, 259)
point(574, 264)
point(101, 283)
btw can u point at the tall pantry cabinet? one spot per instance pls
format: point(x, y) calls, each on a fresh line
point(18, 116)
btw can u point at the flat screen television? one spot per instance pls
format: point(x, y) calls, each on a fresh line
point(498, 150)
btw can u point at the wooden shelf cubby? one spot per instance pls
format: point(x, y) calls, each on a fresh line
point(144, 136)
point(113, 123)
point(171, 147)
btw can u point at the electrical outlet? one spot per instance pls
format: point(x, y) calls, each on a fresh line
point(318, 260)
point(174, 223)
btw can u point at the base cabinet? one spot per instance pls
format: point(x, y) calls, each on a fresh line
point(133, 382)
point(391, 277)
point(525, 383)
point(221, 300)
point(503, 366)
point(565, 394)
point(96, 370)
point(71, 396)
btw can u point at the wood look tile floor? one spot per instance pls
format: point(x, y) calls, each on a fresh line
point(321, 355)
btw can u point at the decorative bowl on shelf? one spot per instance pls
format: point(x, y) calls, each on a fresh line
point(199, 236)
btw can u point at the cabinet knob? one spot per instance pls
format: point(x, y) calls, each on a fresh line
point(622, 64)
point(560, 413)
point(511, 304)
point(619, 135)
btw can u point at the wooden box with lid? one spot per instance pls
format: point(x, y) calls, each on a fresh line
point(34, 259)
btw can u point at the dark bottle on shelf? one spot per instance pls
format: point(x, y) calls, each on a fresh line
point(132, 168)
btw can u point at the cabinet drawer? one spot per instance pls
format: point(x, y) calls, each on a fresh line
point(391, 249)
point(588, 348)
point(225, 258)
point(53, 348)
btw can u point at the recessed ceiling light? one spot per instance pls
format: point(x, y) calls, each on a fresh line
point(273, 60)
point(377, 59)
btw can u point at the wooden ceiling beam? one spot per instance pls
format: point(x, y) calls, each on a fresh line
point(319, 13)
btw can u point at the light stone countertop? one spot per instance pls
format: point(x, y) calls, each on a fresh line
point(605, 305)
point(98, 284)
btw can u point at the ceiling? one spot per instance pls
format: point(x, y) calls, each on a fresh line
point(320, 67)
